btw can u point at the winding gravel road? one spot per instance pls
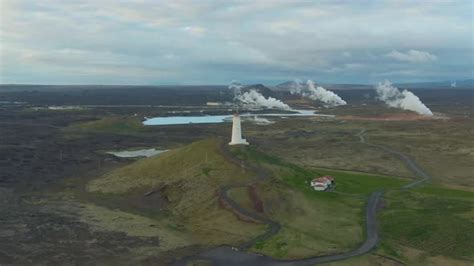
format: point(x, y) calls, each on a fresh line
point(410, 163)
point(225, 255)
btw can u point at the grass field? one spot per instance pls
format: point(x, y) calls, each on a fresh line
point(104, 219)
point(325, 144)
point(313, 223)
point(362, 183)
point(417, 258)
point(432, 219)
point(112, 124)
point(299, 177)
point(437, 221)
point(311, 226)
point(241, 196)
point(442, 147)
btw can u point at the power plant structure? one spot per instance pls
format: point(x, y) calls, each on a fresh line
point(237, 132)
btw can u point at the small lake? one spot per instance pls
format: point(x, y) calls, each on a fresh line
point(180, 120)
point(214, 119)
point(137, 153)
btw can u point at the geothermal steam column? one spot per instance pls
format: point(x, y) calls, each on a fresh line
point(237, 132)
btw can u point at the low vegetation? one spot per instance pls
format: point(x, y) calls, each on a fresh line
point(434, 220)
point(362, 183)
point(112, 124)
point(327, 144)
point(104, 219)
point(443, 147)
point(313, 223)
point(187, 179)
point(241, 195)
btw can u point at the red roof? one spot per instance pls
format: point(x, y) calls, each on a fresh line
point(323, 179)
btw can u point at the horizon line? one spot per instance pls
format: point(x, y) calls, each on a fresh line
point(196, 85)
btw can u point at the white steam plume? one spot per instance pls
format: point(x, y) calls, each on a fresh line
point(253, 99)
point(405, 100)
point(317, 93)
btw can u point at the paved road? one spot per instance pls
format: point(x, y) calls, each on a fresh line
point(226, 255)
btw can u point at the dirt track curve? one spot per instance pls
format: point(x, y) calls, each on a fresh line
point(227, 256)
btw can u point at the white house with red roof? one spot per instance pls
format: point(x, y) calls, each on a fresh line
point(322, 183)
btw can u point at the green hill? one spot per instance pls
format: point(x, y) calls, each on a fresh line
point(188, 169)
point(185, 180)
point(176, 192)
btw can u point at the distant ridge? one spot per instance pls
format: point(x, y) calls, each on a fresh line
point(265, 91)
point(455, 84)
point(43, 87)
point(460, 84)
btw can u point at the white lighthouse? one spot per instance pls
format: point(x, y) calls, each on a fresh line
point(237, 132)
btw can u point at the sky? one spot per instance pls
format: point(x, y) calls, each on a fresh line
point(145, 42)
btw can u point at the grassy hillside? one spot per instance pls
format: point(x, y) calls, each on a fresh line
point(186, 179)
point(430, 224)
point(313, 223)
point(435, 220)
point(112, 124)
point(191, 167)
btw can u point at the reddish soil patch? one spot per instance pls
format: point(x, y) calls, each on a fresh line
point(257, 202)
point(389, 117)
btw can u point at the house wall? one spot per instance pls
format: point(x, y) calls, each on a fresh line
point(320, 188)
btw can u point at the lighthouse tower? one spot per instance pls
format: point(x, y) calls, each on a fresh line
point(237, 132)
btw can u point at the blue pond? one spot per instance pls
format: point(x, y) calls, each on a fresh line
point(180, 120)
point(214, 119)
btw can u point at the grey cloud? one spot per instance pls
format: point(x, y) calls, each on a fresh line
point(262, 40)
point(413, 56)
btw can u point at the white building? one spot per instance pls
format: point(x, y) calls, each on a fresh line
point(237, 132)
point(319, 187)
point(322, 183)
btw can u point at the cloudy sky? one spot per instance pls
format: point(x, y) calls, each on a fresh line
point(214, 42)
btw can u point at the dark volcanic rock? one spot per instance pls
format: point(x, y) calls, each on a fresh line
point(265, 91)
